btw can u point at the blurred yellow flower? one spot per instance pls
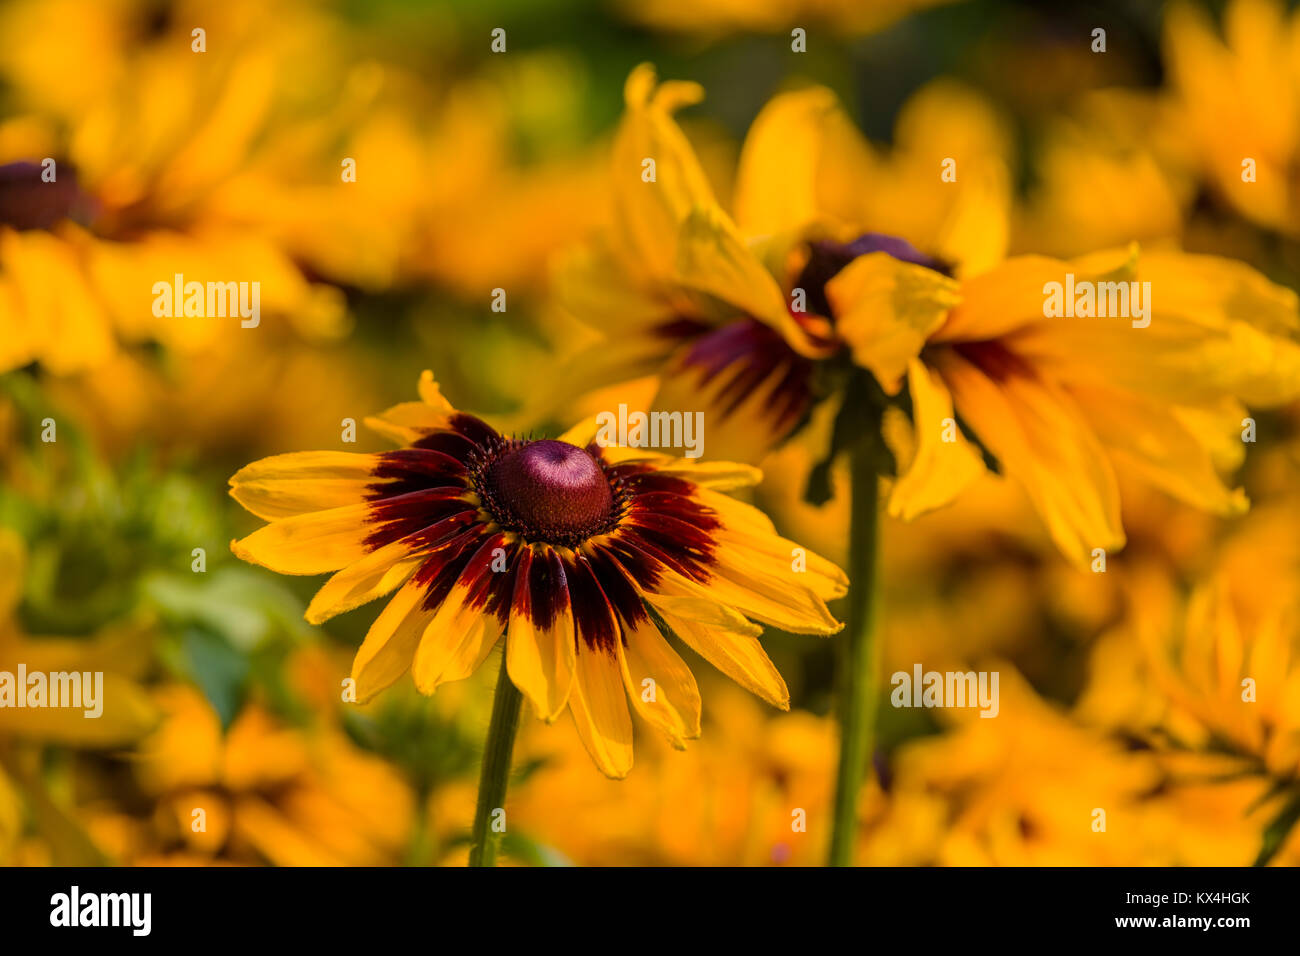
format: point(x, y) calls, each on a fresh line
point(1022, 789)
point(147, 137)
point(1237, 96)
point(989, 373)
point(754, 792)
point(265, 791)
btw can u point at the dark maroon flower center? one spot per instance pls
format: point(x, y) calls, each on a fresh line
point(29, 202)
point(548, 491)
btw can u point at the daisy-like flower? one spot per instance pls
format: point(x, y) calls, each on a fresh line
point(817, 292)
point(575, 551)
point(797, 300)
point(729, 310)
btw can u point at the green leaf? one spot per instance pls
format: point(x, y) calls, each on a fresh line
point(219, 669)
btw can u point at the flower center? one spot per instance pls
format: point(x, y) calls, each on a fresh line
point(549, 491)
point(27, 201)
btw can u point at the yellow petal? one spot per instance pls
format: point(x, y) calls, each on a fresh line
point(1042, 441)
point(886, 310)
point(738, 655)
point(362, 581)
point(407, 422)
point(941, 469)
point(660, 685)
point(465, 628)
point(1217, 330)
point(777, 179)
point(770, 591)
point(431, 394)
point(648, 214)
point(599, 709)
point(826, 580)
point(1002, 299)
point(713, 258)
point(541, 657)
point(50, 293)
point(1151, 438)
point(718, 475)
point(282, 486)
point(390, 644)
point(310, 543)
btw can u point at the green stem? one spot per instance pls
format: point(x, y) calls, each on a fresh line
point(496, 767)
point(859, 661)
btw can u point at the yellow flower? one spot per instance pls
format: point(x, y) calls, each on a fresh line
point(1026, 788)
point(1018, 790)
point(155, 148)
point(267, 791)
point(573, 547)
point(683, 292)
point(1226, 660)
point(1238, 99)
point(755, 792)
point(1208, 679)
point(967, 345)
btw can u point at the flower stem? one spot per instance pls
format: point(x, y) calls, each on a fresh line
point(859, 654)
point(496, 767)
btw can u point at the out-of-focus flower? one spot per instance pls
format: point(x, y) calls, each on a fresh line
point(569, 542)
point(1215, 674)
point(1020, 789)
point(1061, 404)
point(681, 291)
point(289, 390)
point(754, 792)
point(265, 791)
point(993, 377)
point(147, 136)
point(1238, 99)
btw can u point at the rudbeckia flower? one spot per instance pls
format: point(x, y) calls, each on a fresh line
point(576, 551)
point(806, 297)
point(729, 310)
point(796, 300)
